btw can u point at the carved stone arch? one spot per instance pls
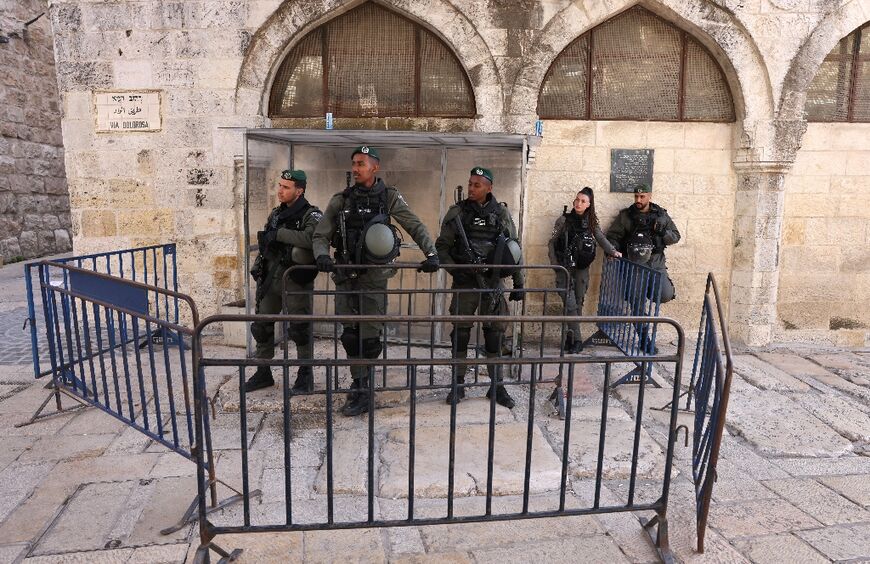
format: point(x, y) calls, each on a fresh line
point(715, 28)
point(834, 27)
point(295, 18)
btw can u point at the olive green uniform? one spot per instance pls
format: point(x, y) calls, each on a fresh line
point(450, 250)
point(368, 289)
point(629, 221)
point(576, 283)
point(292, 232)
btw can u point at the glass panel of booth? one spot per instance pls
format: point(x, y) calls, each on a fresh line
point(425, 167)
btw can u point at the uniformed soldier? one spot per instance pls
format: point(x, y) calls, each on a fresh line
point(572, 246)
point(284, 242)
point(357, 224)
point(479, 230)
point(642, 231)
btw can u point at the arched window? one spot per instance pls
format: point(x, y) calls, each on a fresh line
point(371, 62)
point(636, 66)
point(840, 90)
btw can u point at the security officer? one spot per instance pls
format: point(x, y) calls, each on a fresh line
point(284, 242)
point(642, 231)
point(572, 246)
point(357, 224)
point(479, 230)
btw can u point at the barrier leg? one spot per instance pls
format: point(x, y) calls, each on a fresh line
point(190, 513)
point(55, 392)
point(659, 537)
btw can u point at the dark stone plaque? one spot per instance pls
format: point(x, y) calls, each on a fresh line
point(630, 167)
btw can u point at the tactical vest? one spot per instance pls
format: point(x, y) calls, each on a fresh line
point(362, 209)
point(482, 227)
point(295, 221)
point(641, 243)
point(576, 247)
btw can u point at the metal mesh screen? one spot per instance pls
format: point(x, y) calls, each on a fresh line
point(828, 94)
point(635, 68)
point(638, 69)
point(444, 88)
point(861, 103)
point(563, 93)
point(298, 86)
point(376, 64)
point(371, 65)
point(706, 97)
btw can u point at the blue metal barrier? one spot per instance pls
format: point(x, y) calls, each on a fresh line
point(711, 384)
point(629, 289)
point(153, 265)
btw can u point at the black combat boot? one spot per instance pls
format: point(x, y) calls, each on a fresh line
point(304, 380)
point(569, 341)
point(360, 403)
point(262, 378)
point(351, 395)
point(576, 346)
point(502, 397)
point(460, 389)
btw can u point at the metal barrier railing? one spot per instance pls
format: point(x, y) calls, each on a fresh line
point(99, 330)
point(424, 371)
point(154, 265)
point(629, 289)
point(712, 369)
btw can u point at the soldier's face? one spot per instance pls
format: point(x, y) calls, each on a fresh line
point(641, 201)
point(581, 203)
point(478, 188)
point(364, 168)
point(288, 193)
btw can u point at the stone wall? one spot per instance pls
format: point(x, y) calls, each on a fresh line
point(214, 61)
point(34, 205)
point(825, 267)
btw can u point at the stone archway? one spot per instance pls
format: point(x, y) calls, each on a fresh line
point(806, 63)
point(293, 19)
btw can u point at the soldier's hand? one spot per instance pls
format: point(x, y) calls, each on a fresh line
point(659, 225)
point(325, 263)
point(431, 264)
point(615, 254)
point(517, 294)
point(270, 237)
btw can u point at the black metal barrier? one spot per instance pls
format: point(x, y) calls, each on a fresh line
point(154, 265)
point(418, 373)
point(100, 331)
point(629, 289)
point(711, 383)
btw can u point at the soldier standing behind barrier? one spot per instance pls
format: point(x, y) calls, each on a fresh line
point(479, 230)
point(284, 242)
point(642, 231)
point(357, 223)
point(573, 247)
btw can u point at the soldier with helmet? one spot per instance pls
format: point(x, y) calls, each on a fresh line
point(642, 231)
point(285, 241)
point(357, 223)
point(479, 230)
point(572, 246)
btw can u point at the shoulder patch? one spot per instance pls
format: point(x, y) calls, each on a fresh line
point(317, 214)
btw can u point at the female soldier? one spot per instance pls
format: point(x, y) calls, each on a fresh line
point(573, 246)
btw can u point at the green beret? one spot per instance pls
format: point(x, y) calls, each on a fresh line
point(480, 171)
point(366, 150)
point(642, 189)
point(294, 175)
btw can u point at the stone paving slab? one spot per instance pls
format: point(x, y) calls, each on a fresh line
point(861, 393)
point(775, 549)
point(776, 425)
point(758, 517)
point(847, 365)
point(349, 463)
point(11, 552)
point(766, 376)
point(841, 415)
point(854, 488)
point(472, 411)
point(793, 364)
point(618, 448)
point(263, 547)
point(841, 542)
point(823, 504)
point(599, 548)
point(801, 467)
point(67, 448)
point(432, 458)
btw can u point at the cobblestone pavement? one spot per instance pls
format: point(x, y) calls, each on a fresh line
point(793, 478)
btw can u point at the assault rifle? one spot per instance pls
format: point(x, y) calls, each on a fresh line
point(342, 228)
point(494, 291)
